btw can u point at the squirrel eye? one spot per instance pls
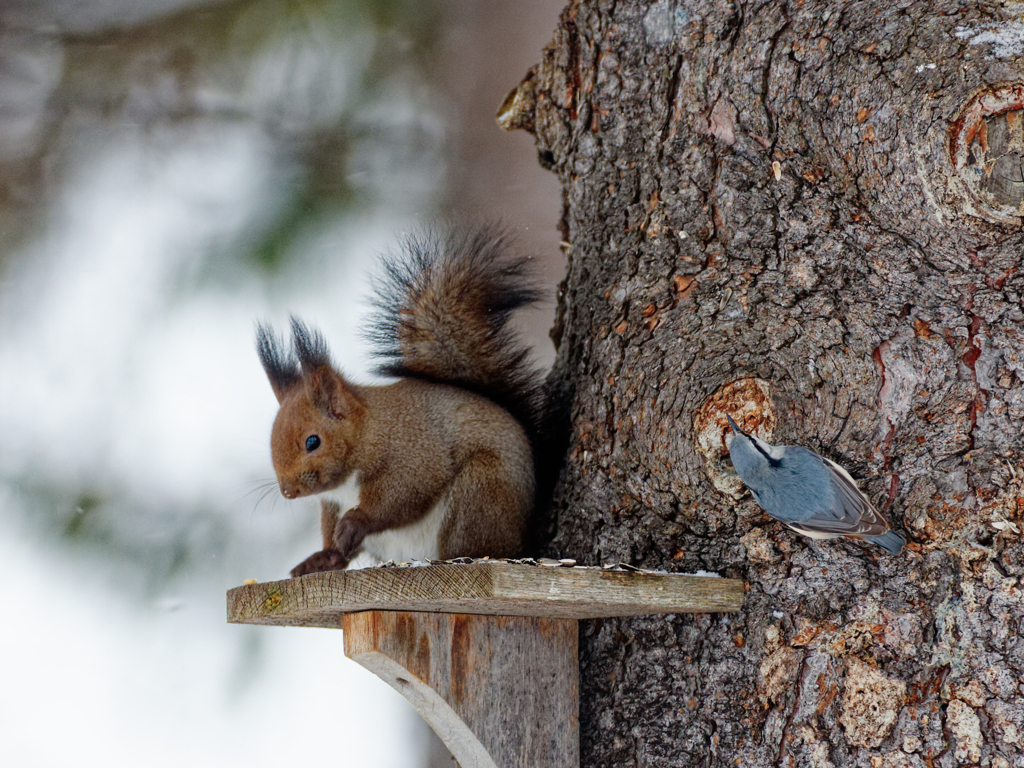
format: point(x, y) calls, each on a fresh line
point(312, 443)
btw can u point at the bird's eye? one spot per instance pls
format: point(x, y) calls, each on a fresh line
point(312, 443)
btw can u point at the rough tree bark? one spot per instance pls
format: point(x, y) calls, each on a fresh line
point(809, 213)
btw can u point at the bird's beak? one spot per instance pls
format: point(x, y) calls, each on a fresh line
point(736, 430)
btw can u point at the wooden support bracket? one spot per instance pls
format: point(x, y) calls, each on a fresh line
point(506, 686)
point(486, 652)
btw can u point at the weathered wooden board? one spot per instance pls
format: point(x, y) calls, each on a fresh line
point(497, 589)
point(500, 691)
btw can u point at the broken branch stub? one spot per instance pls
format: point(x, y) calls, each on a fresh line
point(986, 151)
point(749, 402)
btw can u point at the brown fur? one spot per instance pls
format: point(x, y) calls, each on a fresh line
point(449, 445)
point(409, 443)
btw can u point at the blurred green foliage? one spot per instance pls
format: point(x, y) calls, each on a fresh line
point(308, 71)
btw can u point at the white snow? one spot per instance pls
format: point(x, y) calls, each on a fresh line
point(705, 574)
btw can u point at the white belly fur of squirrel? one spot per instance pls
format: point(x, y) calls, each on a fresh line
point(411, 542)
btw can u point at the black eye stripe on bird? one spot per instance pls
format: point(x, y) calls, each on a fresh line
point(807, 492)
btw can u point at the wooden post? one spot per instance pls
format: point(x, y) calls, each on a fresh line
point(500, 691)
point(487, 651)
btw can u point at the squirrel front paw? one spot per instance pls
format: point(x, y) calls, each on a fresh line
point(349, 533)
point(324, 560)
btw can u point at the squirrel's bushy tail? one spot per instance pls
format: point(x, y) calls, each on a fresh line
point(445, 300)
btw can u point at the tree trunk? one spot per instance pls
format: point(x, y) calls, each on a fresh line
point(807, 213)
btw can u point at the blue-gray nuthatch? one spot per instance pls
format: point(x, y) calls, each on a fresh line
point(807, 492)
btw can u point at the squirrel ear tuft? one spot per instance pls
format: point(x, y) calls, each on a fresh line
point(325, 386)
point(310, 346)
point(281, 368)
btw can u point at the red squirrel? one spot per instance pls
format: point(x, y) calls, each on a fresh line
point(442, 458)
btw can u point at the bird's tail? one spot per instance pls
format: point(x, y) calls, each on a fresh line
point(890, 541)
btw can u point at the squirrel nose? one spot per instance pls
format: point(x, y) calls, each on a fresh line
point(288, 493)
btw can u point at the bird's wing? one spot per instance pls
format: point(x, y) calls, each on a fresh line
point(850, 514)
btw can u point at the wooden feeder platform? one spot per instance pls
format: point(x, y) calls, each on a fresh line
point(485, 650)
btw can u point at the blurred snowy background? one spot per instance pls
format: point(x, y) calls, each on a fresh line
point(170, 172)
